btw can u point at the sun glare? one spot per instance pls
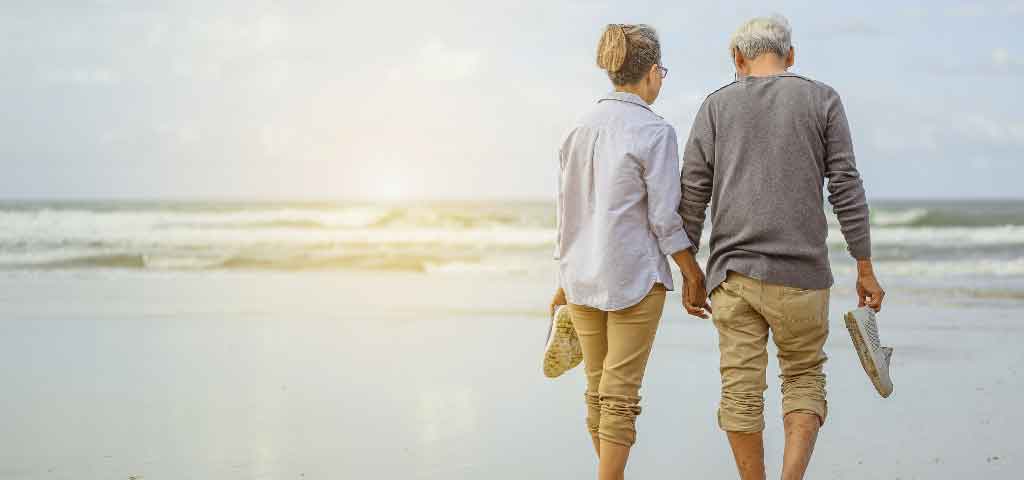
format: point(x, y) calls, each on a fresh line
point(384, 180)
point(390, 189)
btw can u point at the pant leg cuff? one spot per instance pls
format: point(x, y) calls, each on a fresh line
point(593, 412)
point(617, 439)
point(819, 408)
point(740, 424)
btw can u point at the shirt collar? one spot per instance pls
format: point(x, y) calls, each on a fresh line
point(626, 97)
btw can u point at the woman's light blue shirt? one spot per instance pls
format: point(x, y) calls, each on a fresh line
point(617, 198)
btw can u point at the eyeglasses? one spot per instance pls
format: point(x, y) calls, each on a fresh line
point(662, 71)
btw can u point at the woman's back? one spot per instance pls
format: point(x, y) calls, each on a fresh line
point(618, 196)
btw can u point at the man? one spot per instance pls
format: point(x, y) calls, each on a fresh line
point(759, 151)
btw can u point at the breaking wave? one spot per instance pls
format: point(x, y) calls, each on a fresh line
point(449, 238)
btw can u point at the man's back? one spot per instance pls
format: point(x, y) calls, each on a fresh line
point(759, 150)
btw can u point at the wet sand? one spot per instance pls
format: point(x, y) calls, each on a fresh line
point(353, 375)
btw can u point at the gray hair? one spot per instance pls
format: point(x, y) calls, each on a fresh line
point(762, 35)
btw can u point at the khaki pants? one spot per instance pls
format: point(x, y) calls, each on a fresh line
point(616, 346)
point(745, 309)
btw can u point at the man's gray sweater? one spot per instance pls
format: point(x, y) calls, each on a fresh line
point(759, 151)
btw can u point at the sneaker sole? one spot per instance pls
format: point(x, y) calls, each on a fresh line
point(864, 353)
point(560, 355)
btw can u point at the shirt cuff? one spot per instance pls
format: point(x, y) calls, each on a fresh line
point(676, 242)
point(860, 250)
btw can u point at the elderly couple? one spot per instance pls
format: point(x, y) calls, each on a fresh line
point(759, 151)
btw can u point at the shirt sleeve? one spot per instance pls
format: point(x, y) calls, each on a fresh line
point(661, 166)
point(558, 210)
point(697, 177)
point(557, 254)
point(845, 187)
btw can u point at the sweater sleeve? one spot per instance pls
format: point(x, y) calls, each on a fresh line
point(845, 187)
point(698, 174)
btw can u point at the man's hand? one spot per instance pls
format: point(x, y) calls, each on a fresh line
point(869, 292)
point(695, 294)
point(558, 299)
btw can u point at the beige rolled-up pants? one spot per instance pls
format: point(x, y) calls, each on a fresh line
point(616, 346)
point(745, 310)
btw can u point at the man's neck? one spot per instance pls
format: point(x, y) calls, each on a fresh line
point(765, 72)
point(766, 65)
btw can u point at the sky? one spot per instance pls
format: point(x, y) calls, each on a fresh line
point(464, 99)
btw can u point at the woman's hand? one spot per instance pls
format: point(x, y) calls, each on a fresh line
point(695, 294)
point(558, 299)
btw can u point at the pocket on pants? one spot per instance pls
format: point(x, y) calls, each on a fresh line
point(724, 299)
point(805, 311)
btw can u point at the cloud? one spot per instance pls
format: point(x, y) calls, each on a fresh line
point(234, 37)
point(920, 137)
point(436, 61)
point(969, 10)
point(217, 88)
point(979, 10)
point(858, 27)
point(999, 61)
point(970, 129)
point(163, 134)
point(83, 76)
point(1004, 61)
point(680, 109)
point(979, 128)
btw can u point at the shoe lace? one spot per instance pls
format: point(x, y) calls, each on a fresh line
point(871, 328)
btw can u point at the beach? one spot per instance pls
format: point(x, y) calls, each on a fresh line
point(314, 239)
point(399, 376)
point(299, 369)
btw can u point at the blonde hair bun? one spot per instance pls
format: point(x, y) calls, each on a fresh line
point(612, 49)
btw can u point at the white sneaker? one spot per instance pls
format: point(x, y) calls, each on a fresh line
point(873, 356)
point(562, 351)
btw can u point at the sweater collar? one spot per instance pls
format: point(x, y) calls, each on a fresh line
point(740, 78)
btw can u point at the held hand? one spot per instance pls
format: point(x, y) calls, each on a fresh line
point(558, 299)
point(695, 295)
point(869, 292)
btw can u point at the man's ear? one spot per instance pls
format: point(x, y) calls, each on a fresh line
point(791, 57)
point(737, 59)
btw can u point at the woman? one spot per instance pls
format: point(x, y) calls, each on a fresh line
point(617, 221)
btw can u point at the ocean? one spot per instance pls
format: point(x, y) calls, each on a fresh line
point(970, 244)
